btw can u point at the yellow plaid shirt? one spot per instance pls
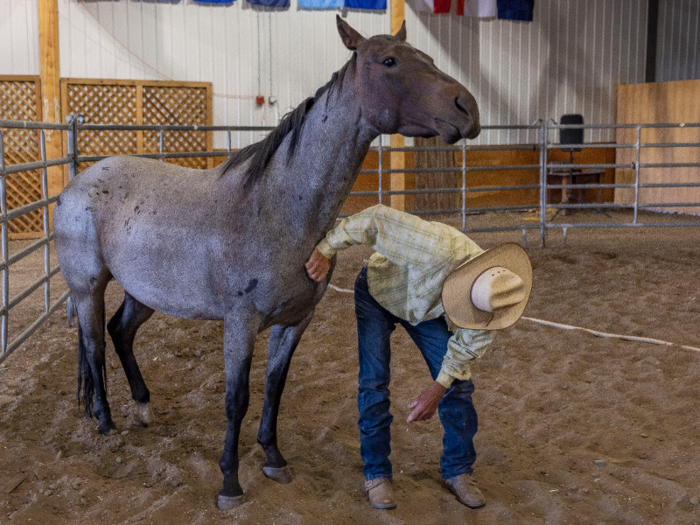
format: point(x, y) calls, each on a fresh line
point(412, 260)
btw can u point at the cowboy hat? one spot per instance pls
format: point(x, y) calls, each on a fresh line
point(489, 291)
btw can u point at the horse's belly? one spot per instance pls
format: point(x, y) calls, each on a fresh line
point(173, 279)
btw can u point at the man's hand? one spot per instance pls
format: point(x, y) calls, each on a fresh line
point(318, 265)
point(426, 404)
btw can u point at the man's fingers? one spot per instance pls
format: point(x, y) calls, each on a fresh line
point(413, 403)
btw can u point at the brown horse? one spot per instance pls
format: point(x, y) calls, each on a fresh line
point(231, 243)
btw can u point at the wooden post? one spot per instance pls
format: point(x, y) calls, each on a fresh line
point(50, 90)
point(398, 158)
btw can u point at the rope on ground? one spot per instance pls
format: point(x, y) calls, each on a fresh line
point(341, 290)
point(570, 327)
point(616, 336)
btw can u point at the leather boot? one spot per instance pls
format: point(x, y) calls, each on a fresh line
point(464, 487)
point(380, 493)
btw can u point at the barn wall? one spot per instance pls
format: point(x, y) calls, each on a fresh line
point(678, 47)
point(568, 60)
point(19, 37)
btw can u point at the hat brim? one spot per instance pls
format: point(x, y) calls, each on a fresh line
point(456, 290)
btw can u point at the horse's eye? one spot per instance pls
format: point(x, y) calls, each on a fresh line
point(389, 62)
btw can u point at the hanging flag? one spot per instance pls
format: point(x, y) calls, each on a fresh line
point(433, 6)
point(516, 9)
point(366, 4)
point(474, 8)
point(321, 4)
point(478, 8)
point(270, 3)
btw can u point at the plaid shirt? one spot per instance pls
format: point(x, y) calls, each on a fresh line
point(412, 260)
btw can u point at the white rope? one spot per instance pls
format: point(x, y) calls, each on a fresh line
point(605, 334)
point(341, 290)
point(570, 327)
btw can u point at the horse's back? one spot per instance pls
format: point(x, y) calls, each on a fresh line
point(118, 208)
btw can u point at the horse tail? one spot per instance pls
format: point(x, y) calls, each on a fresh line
point(86, 382)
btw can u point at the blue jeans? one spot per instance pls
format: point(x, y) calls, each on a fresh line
point(457, 414)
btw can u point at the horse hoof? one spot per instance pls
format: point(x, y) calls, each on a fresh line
point(280, 475)
point(109, 430)
point(144, 414)
point(229, 502)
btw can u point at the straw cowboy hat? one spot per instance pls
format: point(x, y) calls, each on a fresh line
point(489, 291)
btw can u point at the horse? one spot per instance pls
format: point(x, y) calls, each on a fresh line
point(230, 243)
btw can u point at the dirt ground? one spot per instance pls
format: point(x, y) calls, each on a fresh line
point(573, 428)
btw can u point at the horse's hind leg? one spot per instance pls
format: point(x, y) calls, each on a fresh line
point(282, 344)
point(91, 357)
point(122, 328)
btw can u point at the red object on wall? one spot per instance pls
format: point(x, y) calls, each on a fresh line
point(259, 99)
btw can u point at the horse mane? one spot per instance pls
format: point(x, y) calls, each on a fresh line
point(292, 123)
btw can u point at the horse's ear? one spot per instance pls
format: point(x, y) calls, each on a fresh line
point(401, 34)
point(349, 36)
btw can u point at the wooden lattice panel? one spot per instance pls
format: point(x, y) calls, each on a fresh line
point(173, 106)
point(140, 103)
point(20, 100)
point(102, 103)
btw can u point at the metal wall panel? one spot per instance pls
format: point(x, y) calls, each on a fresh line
point(678, 44)
point(568, 60)
point(19, 37)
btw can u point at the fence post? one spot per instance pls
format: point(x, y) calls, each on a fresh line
point(5, 248)
point(47, 229)
point(74, 165)
point(636, 173)
point(379, 168)
point(544, 131)
point(464, 184)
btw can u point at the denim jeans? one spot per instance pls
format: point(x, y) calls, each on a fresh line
point(457, 414)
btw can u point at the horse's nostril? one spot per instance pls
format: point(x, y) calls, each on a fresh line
point(462, 105)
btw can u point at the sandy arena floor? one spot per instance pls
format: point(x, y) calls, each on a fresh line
point(573, 428)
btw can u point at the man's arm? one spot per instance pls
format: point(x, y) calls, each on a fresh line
point(404, 239)
point(462, 348)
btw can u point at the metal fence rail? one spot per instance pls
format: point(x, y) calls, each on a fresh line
point(73, 159)
point(8, 303)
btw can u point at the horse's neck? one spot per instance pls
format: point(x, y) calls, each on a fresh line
point(311, 188)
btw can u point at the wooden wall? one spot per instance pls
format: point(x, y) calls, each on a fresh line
point(660, 102)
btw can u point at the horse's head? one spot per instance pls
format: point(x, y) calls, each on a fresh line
point(401, 90)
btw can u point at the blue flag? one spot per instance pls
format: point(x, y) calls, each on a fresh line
point(270, 3)
point(516, 10)
point(321, 4)
point(366, 4)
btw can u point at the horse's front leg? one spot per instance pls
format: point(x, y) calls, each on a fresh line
point(240, 331)
point(283, 341)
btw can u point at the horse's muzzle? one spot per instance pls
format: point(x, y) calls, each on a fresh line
point(468, 108)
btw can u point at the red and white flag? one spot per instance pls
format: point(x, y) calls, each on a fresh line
point(475, 8)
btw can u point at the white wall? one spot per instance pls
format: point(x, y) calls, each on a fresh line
point(19, 37)
point(567, 61)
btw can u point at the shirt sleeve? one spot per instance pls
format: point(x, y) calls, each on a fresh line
point(462, 348)
point(404, 239)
